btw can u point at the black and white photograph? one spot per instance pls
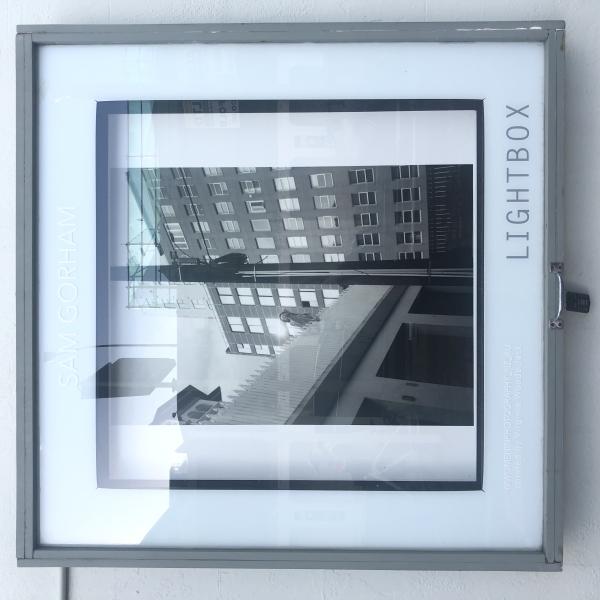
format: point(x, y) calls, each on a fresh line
point(323, 314)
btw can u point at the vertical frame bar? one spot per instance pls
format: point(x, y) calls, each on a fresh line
point(25, 304)
point(554, 338)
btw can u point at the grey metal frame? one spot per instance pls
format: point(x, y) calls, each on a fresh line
point(29, 550)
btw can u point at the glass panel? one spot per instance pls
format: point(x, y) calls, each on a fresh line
point(303, 317)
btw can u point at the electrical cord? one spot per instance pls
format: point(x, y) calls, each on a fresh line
point(64, 583)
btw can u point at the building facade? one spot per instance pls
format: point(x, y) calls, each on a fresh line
point(291, 215)
point(386, 355)
point(261, 319)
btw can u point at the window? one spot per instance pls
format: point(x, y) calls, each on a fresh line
point(308, 298)
point(284, 184)
point(330, 241)
point(265, 242)
point(250, 186)
point(269, 258)
point(246, 169)
point(265, 296)
point(255, 206)
point(369, 256)
point(361, 175)
point(230, 226)
point(363, 198)
point(411, 194)
point(276, 327)
point(187, 191)
point(255, 325)
point(167, 210)
point(202, 226)
point(334, 257)
point(405, 171)
point(408, 216)
point(293, 223)
point(408, 255)
point(225, 295)
point(262, 349)
point(176, 236)
point(209, 244)
point(409, 237)
point(289, 204)
point(152, 176)
point(327, 201)
point(404, 216)
point(194, 210)
point(297, 242)
point(244, 348)
point(419, 254)
point(235, 243)
point(407, 195)
point(300, 258)
point(261, 225)
point(328, 222)
point(366, 219)
point(235, 324)
point(181, 173)
point(330, 296)
point(321, 180)
point(286, 297)
point(212, 171)
point(245, 296)
point(159, 193)
point(218, 189)
point(224, 208)
point(367, 239)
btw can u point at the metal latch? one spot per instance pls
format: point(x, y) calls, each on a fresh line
point(575, 301)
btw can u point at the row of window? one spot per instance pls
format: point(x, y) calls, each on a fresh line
point(289, 224)
point(356, 175)
point(281, 184)
point(404, 194)
point(297, 223)
point(265, 243)
point(258, 349)
point(331, 257)
point(303, 258)
point(410, 255)
point(265, 297)
point(321, 202)
point(328, 241)
point(299, 241)
point(375, 256)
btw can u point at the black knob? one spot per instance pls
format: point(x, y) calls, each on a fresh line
point(577, 302)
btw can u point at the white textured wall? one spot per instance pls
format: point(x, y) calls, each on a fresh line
point(581, 576)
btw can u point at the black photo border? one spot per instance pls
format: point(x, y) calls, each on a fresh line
point(108, 108)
